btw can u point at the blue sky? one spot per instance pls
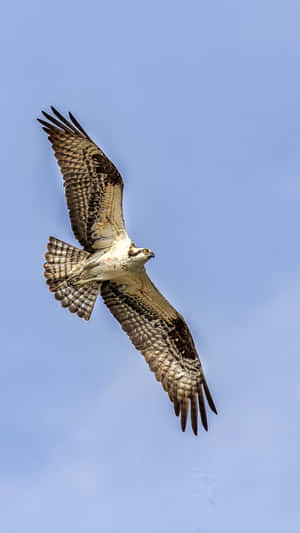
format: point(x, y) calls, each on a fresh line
point(197, 103)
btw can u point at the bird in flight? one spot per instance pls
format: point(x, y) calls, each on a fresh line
point(111, 265)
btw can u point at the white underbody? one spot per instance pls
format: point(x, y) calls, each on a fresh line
point(108, 265)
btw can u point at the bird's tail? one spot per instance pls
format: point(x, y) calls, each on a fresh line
point(61, 261)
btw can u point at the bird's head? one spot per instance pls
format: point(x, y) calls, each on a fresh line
point(139, 256)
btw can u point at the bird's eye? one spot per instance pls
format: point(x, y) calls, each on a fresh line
point(145, 251)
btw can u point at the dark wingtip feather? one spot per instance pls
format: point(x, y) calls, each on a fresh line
point(209, 398)
point(47, 116)
point(63, 120)
point(45, 125)
point(194, 413)
point(56, 113)
point(43, 122)
point(176, 407)
point(62, 123)
point(78, 126)
point(202, 409)
point(184, 409)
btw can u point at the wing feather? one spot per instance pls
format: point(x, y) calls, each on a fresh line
point(194, 413)
point(93, 185)
point(160, 333)
point(184, 411)
point(176, 406)
point(202, 408)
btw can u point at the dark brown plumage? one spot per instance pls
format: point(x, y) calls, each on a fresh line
point(93, 185)
point(158, 331)
point(94, 188)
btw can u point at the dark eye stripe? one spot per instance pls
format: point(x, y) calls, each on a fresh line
point(131, 252)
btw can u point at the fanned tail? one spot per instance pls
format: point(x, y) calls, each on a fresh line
point(61, 260)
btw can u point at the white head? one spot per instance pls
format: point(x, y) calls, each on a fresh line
point(139, 256)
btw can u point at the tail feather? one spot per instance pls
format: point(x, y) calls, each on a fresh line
point(80, 300)
point(61, 259)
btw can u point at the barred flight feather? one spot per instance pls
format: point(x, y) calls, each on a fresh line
point(61, 258)
point(167, 346)
point(89, 177)
point(94, 192)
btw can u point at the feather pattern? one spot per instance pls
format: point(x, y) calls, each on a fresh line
point(94, 189)
point(93, 185)
point(61, 260)
point(160, 333)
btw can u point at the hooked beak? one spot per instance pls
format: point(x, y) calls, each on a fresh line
point(151, 254)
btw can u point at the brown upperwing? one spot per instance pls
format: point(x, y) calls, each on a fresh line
point(93, 185)
point(160, 333)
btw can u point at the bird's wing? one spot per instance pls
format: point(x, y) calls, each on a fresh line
point(160, 333)
point(93, 185)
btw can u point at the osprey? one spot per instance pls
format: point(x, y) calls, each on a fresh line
point(110, 264)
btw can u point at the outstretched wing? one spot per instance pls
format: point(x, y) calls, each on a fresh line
point(93, 185)
point(160, 333)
